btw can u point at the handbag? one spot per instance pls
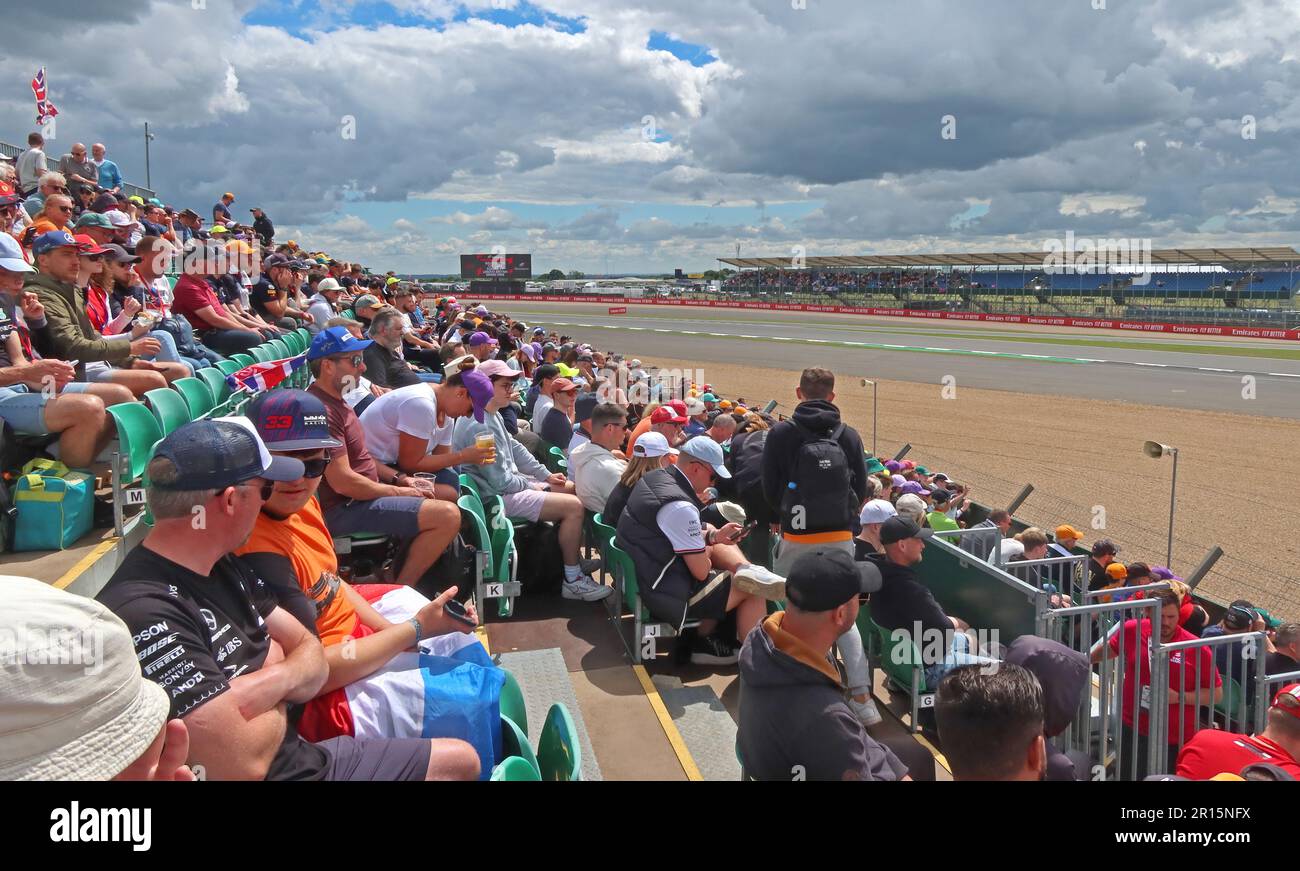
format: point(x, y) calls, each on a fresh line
point(56, 506)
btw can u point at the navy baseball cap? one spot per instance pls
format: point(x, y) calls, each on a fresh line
point(824, 578)
point(291, 420)
point(220, 453)
point(47, 242)
point(335, 340)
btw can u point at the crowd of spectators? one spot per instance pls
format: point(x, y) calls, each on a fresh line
point(258, 660)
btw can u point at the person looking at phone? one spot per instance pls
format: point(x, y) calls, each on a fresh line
point(363, 629)
point(689, 569)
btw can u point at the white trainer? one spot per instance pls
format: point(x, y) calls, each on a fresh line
point(760, 582)
point(866, 711)
point(585, 589)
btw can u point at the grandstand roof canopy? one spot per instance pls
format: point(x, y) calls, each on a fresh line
point(1030, 258)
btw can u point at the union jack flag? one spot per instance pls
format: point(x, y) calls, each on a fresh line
point(44, 108)
point(264, 376)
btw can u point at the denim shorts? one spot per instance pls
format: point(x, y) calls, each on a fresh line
point(24, 410)
point(398, 516)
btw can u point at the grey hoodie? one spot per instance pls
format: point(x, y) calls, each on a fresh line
point(795, 723)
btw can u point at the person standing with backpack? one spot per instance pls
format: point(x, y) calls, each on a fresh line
point(815, 479)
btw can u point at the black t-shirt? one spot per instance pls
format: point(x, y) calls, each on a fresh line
point(863, 549)
point(278, 573)
point(260, 294)
point(194, 634)
point(557, 429)
point(902, 601)
point(386, 369)
point(1279, 663)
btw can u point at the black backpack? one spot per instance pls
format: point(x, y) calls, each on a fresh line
point(747, 466)
point(819, 498)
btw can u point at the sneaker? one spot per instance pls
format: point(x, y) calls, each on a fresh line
point(589, 566)
point(714, 650)
point(585, 589)
point(866, 711)
point(758, 581)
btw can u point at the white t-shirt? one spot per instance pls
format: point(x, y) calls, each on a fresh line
point(412, 410)
point(543, 405)
point(680, 521)
point(1010, 547)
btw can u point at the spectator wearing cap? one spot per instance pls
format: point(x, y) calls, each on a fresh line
point(693, 570)
point(1285, 656)
point(272, 295)
point(80, 171)
point(221, 210)
point(649, 452)
point(993, 721)
point(911, 506)
point(1194, 684)
point(410, 428)
point(211, 632)
point(697, 418)
point(384, 364)
point(363, 630)
point(64, 720)
point(73, 411)
point(540, 400)
point(938, 518)
point(583, 408)
point(190, 226)
point(528, 491)
point(323, 305)
point(1103, 554)
point(364, 307)
point(108, 176)
point(60, 263)
point(31, 165)
point(1064, 676)
point(1067, 538)
point(195, 299)
point(1238, 661)
point(1211, 752)
point(597, 466)
point(793, 715)
point(556, 428)
point(905, 605)
point(669, 420)
point(482, 346)
point(263, 227)
point(360, 493)
point(96, 226)
point(873, 516)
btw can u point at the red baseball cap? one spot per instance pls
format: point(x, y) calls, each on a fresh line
point(1288, 699)
point(87, 245)
point(666, 414)
point(679, 405)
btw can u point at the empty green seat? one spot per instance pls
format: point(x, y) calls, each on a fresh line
point(229, 367)
point(168, 408)
point(137, 433)
point(242, 359)
point(515, 768)
point(559, 756)
point(514, 742)
point(512, 701)
point(197, 396)
point(216, 381)
point(279, 350)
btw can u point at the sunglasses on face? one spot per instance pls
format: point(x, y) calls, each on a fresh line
point(64, 208)
point(94, 258)
point(265, 488)
point(315, 468)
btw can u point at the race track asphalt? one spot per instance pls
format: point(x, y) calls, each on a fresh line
point(1176, 371)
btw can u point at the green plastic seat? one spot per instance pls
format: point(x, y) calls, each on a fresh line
point(512, 701)
point(228, 367)
point(279, 350)
point(242, 359)
point(263, 353)
point(559, 756)
point(602, 538)
point(479, 537)
point(901, 661)
point(514, 742)
point(304, 336)
point(504, 555)
point(555, 460)
point(168, 408)
point(137, 433)
point(515, 768)
point(290, 341)
point(467, 486)
point(197, 394)
point(216, 381)
point(1233, 704)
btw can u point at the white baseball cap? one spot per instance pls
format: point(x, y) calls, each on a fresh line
point(877, 511)
point(73, 704)
point(11, 256)
point(119, 218)
point(652, 444)
point(694, 407)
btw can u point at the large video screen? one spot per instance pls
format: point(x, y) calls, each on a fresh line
point(496, 266)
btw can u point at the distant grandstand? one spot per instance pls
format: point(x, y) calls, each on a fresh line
point(1237, 286)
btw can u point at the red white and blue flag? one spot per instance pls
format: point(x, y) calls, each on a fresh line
point(45, 110)
point(263, 376)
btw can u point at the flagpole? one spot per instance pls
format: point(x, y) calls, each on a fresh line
point(148, 176)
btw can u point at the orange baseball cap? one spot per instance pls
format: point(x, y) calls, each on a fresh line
point(1117, 571)
point(1067, 531)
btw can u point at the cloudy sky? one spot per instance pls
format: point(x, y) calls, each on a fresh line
point(622, 137)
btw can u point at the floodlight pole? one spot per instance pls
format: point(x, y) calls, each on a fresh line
point(874, 428)
point(1173, 493)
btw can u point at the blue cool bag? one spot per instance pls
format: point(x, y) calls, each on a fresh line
point(56, 506)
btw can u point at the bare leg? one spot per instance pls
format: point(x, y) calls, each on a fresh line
point(452, 759)
point(111, 394)
point(439, 524)
point(446, 492)
point(138, 381)
point(82, 426)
